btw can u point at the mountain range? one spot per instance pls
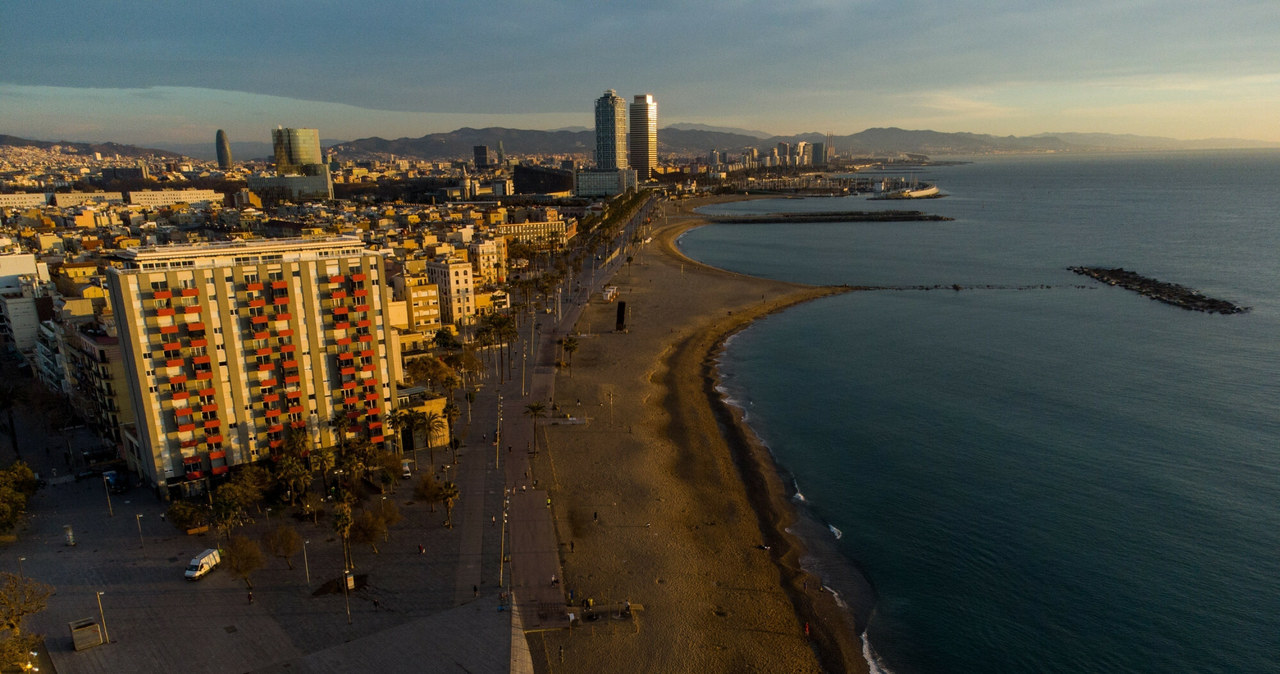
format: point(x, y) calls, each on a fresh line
point(107, 149)
point(680, 139)
point(694, 139)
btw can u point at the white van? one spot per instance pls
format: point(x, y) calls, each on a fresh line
point(202, 564)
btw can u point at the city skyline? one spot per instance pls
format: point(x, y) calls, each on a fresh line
point(142, 74)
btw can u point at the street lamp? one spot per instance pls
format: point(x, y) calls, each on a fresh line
point(140, 541)
point(346, 578)
point(20, 561)
point(106, 487)
point(106, 638)
point(305, 564)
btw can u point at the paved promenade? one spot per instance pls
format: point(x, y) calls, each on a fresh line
point(442, 609)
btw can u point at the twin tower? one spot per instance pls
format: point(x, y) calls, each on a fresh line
point(619, 146)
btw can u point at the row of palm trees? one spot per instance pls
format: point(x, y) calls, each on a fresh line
point(431, 422)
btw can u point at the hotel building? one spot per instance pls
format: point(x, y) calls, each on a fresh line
point(643, 139)
point(611, 131)
point(229, 346)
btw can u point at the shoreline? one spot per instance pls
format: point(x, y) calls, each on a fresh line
point(772, 496)
point(666, 499)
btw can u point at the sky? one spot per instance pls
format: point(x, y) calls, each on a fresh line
point(175, 72)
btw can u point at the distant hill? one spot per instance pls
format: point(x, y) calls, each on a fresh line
point(1133, 142)
point(694, 139)
point(680, 139)
point(69, 147)
point(459, 144)
point(240, 151)
point(686, 126)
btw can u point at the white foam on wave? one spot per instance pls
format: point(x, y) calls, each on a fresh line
point(874, 664)
point(835, 532)
point(836, 596)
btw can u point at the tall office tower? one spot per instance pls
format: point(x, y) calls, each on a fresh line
point(643, 139)
point(611, 131)
point(819, 154)
point(295, 149)
point(224, 150)
point(228, 347)
point(784, 154)
point(484, 158)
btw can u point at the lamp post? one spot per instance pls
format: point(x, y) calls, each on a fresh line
point(346, 578)
point(107, 489)
point(20, 561)
point(141, 543)
point(305, 564)
point(106, 638)
point(497, 434)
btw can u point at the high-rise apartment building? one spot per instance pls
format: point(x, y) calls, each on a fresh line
point(296, 149)
point(643, 138)
point(611, 131)
point(224, 150)
point(230, 346)
point(453, 278)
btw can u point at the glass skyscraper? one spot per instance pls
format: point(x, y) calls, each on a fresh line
point(295, 148)
point(643, 138)
point(224, 150)
point(611, 131)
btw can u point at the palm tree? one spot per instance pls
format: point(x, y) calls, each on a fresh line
point(535, 411)
point(432, 422)
point(324, 460)
point(448, 493)
point(570, 345)
point(451, 413)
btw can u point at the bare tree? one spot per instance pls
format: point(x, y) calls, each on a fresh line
point(367, 528)
point(284, 542)
point(243, 557)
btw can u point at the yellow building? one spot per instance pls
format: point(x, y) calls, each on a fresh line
point(228, 345)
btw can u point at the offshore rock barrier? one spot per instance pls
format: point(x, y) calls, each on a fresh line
point(1169, 293)
point(831, 216)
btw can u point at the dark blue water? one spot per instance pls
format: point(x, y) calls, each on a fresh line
point(1065, 477)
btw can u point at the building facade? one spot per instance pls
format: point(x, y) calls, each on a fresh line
point(224, 150)
point(156, 198)
point(643, 139)
point(611, 131)
point(229, 346)
point(453, 278)
point(295, 149)
point(603, 182)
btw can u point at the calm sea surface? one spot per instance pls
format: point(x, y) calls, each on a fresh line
point(1038, 473)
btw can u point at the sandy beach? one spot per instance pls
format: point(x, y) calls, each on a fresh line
point(664, 499)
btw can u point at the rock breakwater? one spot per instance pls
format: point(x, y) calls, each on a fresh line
point(832, 216)
point(1169, 293)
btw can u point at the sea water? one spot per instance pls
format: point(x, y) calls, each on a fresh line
point(1037, 472)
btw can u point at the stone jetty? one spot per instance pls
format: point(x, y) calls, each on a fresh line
point(831, 216)
point(1169, 293)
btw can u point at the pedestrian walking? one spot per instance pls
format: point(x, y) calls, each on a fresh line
point(570, 546)
point(475, 591)
point(250, 596)
point(595, 517)
point(421, 549)
point(376, 605)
